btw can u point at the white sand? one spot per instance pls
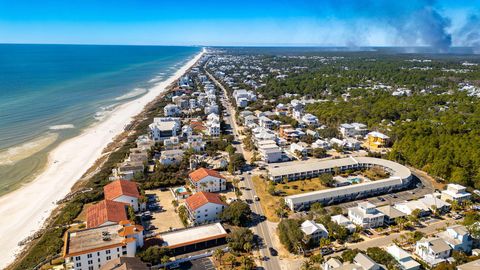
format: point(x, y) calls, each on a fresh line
point(22, 212)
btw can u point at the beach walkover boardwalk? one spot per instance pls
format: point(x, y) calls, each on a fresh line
point(400, 178)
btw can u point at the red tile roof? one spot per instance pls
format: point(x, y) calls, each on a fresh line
point(104, 211)
point(119, 188)
point(201, 198)
point(201, 173)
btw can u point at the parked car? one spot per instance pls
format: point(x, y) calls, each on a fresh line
point(272, 251)
point(326, 251)
point(381, 199)
point(256, 198)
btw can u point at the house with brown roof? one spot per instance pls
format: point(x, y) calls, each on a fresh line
point(204, 207)
point(106, 212)
point(207, 180)
point(92, 248)
point(124, 191)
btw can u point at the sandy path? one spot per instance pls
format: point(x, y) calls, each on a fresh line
point(23, 211)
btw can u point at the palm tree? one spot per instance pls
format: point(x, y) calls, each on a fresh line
point(164, 260)
point(247, 262)
point(218, 254)
point(247, 247)
point(401, 222)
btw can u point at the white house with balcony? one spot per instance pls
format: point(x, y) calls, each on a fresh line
point(204, 179)
point(310, 119)
point(458, 238)
point(164, 127)
point(314, 231)
point(204, 207)
point(432, 250)
point(171, 110)
point(455, 192)
point(353, 129)
point(366, 215)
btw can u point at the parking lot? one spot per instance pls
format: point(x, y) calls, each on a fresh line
point(165, 218)
point(199, 264)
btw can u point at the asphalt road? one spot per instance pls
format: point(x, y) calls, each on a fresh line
point(261, 229)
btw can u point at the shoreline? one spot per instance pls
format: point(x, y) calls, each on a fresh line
point(66, 164)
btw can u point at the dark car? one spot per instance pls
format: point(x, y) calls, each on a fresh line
point(326, 251)
point(272, 251)
point(249, 201)
point(381, 199)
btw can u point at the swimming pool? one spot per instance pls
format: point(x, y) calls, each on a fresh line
point(180, 190)
point(355, 180)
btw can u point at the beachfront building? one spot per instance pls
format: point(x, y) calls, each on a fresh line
point(376, 140)
point(360, 262)
point(90, 249)
point(125, 192)
point(106, 212)
point(455, 192)
point(164, 127)
point(403, 258)
point(194, 238)
point(366, 215)
point(204, 179)
point(344, 222)
point(400, 178)
point(171, 110)
point(313, 231)
point(204, 207)
point(458, 238)
point(432, 250)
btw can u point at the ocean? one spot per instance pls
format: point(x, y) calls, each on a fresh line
point(49, 93)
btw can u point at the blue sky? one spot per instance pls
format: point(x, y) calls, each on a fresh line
point(299, 22)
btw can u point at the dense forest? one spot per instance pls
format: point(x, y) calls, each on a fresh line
point(437, 133)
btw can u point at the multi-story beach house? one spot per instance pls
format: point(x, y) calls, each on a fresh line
point(353, 129)
point(377, 140)
point(310, 119)
point(171, 110)
point(366, 215)
point(204, 179)
point(204, 207)
point(90, 249)
point(164, 127)
point(124, 191)
point(313, 231)
point(455, 192)
point(432, 250)
point(458, 238)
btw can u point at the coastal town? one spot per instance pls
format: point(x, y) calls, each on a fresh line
point(222, 174)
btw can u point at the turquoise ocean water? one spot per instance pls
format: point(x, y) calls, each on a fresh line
point(49, 93)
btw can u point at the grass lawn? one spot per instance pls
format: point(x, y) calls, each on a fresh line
point(267, 201)
point(300, 186)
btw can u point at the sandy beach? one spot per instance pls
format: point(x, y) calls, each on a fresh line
point(24, 211)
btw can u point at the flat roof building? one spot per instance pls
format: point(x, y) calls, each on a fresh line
point(194, 238)
point(400, 177)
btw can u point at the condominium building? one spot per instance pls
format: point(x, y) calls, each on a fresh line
point(366, 215)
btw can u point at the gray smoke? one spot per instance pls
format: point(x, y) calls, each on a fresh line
point(469, 34)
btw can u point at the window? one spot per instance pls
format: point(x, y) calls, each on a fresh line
point(98, 253)
point(109, 258)
point(77, 258)
point(90, 268)
point(118, 249)
point(90, 262)
point(107, 252)
point(89, 255)
point(79, 264)
point(124, 253)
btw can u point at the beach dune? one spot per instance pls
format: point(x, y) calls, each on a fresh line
point(24, 211)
